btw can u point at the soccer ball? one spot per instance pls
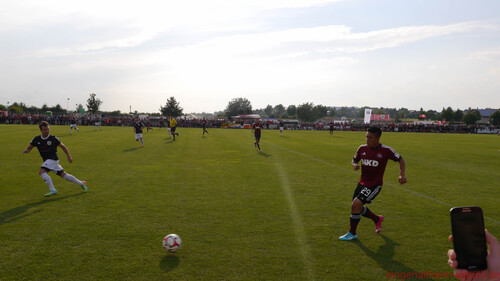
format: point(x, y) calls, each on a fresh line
point(172, 242)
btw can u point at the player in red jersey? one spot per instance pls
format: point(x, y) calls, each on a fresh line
point(256, 130)
point(373, 156)
point(204, 125)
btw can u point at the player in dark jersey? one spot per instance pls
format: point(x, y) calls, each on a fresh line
point(204, 125)
point(162, 123)
point(282, 126)
point(331, 127)
point(73, 125)
point(373, 156)
point(256, 130)
point(138, 126)
point(47, 146)
point(148, 125)
point(97, 122)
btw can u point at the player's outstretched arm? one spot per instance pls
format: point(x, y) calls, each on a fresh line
point(28, 149)
point(65, 149)
point(402, 168)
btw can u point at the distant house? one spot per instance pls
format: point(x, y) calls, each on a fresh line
point(485, 115)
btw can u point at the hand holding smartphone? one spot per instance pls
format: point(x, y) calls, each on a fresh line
point(469, 239)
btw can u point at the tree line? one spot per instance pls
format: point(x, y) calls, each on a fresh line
point(307, 112)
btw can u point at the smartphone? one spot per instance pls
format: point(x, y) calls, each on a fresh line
point(469, 238)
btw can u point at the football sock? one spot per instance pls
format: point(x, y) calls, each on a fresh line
point(258, 146)
point(142, 141)
point(355, 218)
point(46, 178)
point(72, 178)
point(369, 214)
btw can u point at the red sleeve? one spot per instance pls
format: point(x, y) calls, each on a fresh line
point(357, 157)
point(392, 154)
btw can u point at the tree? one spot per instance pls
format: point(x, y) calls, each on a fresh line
point(80, 108)
point(458, 115)
point(495, 118)
point(472, 117)
point(15, 109)
point(397, 118)
point(305, 112)
point(268, 110)
point(291, 110)
point(93, 103)
point(448, 114)
point(2, 107)
point(320, 111)
point(331, 112)
point(171, 108)
point(238, 106)
point(279, 110)
point(432, 114)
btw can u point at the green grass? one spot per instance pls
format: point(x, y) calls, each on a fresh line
point(242, 215)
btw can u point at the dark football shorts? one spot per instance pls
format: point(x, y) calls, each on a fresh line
point(172, 129)
point(366, 194)
point(257, 137)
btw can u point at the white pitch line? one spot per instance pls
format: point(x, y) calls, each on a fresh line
point(389, 184)
point(298, 226)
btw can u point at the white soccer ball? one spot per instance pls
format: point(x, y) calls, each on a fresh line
point(172, 242)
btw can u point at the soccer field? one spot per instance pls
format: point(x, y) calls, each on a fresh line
point(241, 214)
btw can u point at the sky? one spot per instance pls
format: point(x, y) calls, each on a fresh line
point(136, 54)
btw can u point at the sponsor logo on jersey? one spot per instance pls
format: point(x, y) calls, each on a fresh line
point(379, 155)
point(370, 163)
point(49, 142)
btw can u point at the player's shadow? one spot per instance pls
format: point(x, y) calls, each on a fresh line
point(263, 154)
point(18, 213)
point(384, 256)
point(169, 263)
point(131, 149)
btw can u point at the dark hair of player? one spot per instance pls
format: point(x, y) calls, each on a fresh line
point(43, 124)
point(376, 131)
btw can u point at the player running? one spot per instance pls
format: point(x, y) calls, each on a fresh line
point(161, 122)
point(204, 125)
point(173, 125)
point(98, 120)
point(138, 126)
point(373, 156)
point(282, 126)
point(73, 125)
point(256, 130)
point(47, 146)
point(331, 127)
point(148, 124)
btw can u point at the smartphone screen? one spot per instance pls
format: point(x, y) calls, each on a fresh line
point(469, 239)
